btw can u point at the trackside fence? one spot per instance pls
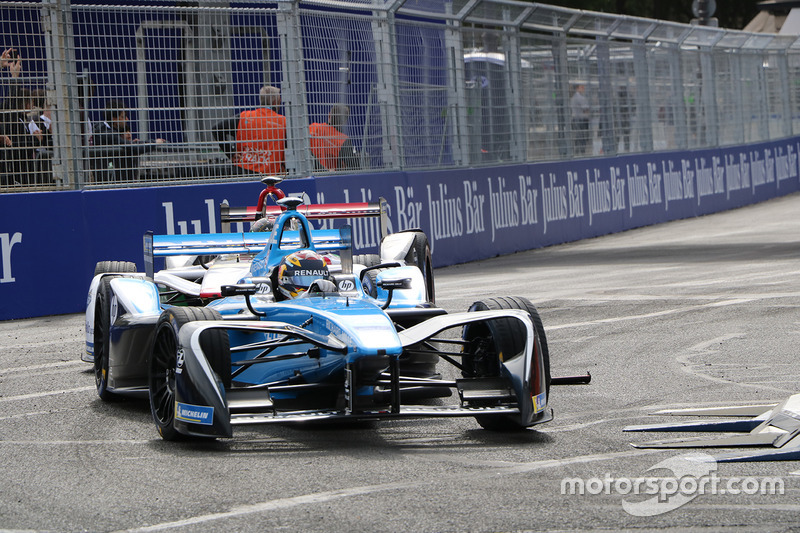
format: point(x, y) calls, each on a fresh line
point(429, 84)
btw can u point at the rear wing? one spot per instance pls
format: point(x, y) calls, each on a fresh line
point(340, 240)
point(379, 209)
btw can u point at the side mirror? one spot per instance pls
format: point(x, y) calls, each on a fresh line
point(257, 285)
point(237, 290)
point(393, 284)
point(390, 285)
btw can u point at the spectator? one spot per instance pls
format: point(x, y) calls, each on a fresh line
point(625, 110)
point(116, 153)
point(18, 145)
point(39, 125)
point(255, 140)
point(580, 112)
point(331, 147)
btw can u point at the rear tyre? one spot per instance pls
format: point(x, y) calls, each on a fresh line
point(370, 282)
point(367, 260)
point(164, 360)
point(490, 341)
point(102, 336)
point(419, 255)
point(122, 267)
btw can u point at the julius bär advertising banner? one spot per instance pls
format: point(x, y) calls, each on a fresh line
point(478, 213)
point(50, 242)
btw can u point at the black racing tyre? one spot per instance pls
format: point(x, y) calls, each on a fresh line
point(367, 260)
point(370, 281)
point(419, 255)
point(102, 328)
point(121, 267)
point(164, 359)
point(488, 341)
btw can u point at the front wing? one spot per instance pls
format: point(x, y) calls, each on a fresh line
point(204, 407)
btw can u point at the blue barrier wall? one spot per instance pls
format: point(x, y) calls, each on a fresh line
point(50, 242)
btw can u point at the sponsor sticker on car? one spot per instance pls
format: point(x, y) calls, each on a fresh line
point(539, 402)
point(196, 414)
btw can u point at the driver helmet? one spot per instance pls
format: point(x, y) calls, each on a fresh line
point(298, 270)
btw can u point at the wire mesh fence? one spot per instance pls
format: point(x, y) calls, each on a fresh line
point(117, 96)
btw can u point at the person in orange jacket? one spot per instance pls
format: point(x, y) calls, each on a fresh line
point(331, 147)
point(255, 140)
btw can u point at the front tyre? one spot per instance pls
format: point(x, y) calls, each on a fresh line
point(489, 342)
point(102, 337)
point(164, 362)
point(419, 255)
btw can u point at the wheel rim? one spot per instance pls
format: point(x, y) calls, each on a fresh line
point(162, 377)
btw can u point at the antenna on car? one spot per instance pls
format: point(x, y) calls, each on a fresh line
point(290, 202)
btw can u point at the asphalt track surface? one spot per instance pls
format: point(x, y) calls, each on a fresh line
point(701, 312)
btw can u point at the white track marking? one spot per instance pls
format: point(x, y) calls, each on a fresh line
point(26, 415)
point(43, 394)
point(73, 442)
point(709, 348)
point(12, 370)
point(735, 301)
point(321, 497)
point(276, 505)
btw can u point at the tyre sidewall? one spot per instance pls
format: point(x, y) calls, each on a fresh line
point(419, 255)
point(215, 345)
point(102, 333)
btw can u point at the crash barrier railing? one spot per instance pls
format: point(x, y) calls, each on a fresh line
point(438, 84)
point(155, 164)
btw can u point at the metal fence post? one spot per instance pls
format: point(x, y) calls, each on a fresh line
point(644, 113)
point(709, 99)
point(61, 81)
point(738, 97)
point(293, 88)
point(517, 150)
point(786, 107)
point(386, 91)
point(561, 82)
point(457, 110)
point(606, 97)
point(763, 90)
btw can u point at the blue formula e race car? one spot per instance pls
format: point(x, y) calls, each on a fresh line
point(265, 327)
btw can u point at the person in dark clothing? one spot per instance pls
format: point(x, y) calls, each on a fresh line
point(40, 125)
point(115, 156)
point(625, 109)
point(331, 147)
point(581, 115)
point(17, 143)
